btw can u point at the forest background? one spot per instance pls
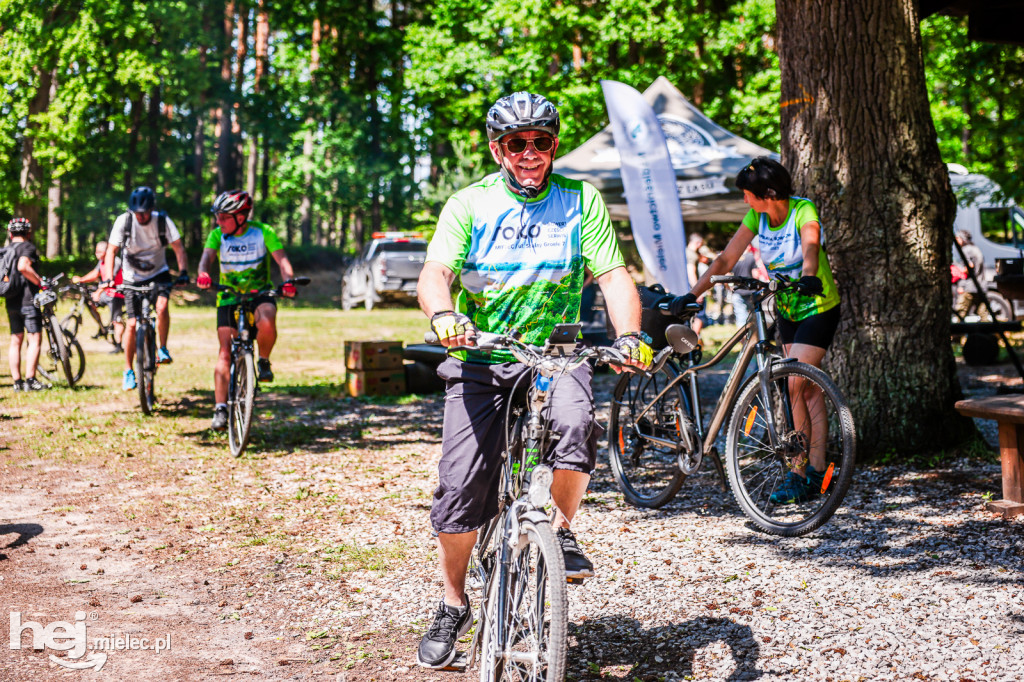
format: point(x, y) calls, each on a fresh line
point(346, 116)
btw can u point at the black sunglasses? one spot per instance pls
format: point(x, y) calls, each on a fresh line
point(517, 145)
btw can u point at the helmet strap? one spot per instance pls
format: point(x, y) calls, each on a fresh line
point(517, 187)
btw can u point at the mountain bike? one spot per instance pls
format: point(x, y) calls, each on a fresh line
point(777, 418)
point(64, 359)
point(242, 384)
point(84, 301)
point(146, 343)
point(517, 562)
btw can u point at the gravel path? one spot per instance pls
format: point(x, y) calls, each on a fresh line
point(912, 579)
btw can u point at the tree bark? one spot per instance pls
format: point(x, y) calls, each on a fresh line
point(53, 231)
point(153, 125)
point(225, 142)
point(306, 205)
point(262, 39)
point(858, 137)
point(31, 179)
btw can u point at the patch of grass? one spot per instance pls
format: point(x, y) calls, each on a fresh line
point(353, 557)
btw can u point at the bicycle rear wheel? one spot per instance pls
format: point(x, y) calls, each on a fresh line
point(76, 356)
point(59, 348)
point(71, 322)
point(145, 366)
point(646, 471)
point(240, 402)
point(824, 430)
point(535, 616)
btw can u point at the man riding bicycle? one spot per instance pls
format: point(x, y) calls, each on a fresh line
point(142, 235)
point(109, 295)
point(519, 241)
point(244, 248)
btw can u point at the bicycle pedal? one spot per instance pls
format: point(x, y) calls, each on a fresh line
point(575, 581)
point(458, 664)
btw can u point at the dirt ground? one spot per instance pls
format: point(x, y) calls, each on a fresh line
point(228, 565)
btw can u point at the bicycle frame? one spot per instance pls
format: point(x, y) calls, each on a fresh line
point(755, 337)
point(525, 488)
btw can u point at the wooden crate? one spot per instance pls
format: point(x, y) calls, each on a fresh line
point(375, 382)
point(373, 355)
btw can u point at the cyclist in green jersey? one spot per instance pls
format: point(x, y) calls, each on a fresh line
point(519, 241)
point(792, 244)
point(244, 249)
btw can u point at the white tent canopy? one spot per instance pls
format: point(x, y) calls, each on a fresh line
point(705, 156)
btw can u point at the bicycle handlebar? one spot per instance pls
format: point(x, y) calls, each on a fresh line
point(531, 355)
point(247, 295)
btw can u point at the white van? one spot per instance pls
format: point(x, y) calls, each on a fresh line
point(996, 226)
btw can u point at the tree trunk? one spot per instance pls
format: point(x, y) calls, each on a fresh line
point(262, 38)
point(53, 245)
point(306, 205)
point(859, 140)
point(225, 143)
point(153, 125)
point(31, 180)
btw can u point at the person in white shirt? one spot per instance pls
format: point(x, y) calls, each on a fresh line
point(144, 261)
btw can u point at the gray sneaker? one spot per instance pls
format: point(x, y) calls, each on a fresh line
point(33, 384)
point(220, 419)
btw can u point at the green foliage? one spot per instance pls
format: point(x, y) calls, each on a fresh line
point(389, 121)
point(975, 101)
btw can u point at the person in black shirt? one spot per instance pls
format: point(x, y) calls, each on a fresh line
point(24, 317)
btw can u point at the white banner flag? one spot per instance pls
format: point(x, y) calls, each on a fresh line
point(650, 186)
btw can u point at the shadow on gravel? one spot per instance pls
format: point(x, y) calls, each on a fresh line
point(320, 419)
point(24, 531)
point(652, 653)
point(913, 522)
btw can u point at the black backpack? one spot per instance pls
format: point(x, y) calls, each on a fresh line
point(11, 281)
point(161, 226)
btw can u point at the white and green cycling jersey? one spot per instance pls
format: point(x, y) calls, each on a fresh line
point(521, 266)
point(244, 259)
point(782, 253)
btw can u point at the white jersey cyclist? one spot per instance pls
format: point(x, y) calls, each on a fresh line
point(144, 255)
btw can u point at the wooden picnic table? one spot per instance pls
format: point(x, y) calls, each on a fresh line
point(1008, 412)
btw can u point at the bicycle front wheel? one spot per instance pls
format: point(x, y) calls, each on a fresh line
point(145, 367)
point(813, 424)
point(643, 451)
point(240, 402)
point(534, 620)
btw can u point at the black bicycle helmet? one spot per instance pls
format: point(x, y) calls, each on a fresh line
point(142, 199)
point(19, 226)
point(521, 111)
point(234, 201)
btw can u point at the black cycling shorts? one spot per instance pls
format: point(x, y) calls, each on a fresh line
point(816, 330)
point(116, 309)
point(226, 313)
point(473, 438)
point(133, 299)
point(24, 319)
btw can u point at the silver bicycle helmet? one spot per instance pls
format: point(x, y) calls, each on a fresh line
point(19, 226)
point(521, 111)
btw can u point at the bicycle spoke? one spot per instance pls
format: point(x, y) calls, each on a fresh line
point(646, 470)
point(815, 429)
